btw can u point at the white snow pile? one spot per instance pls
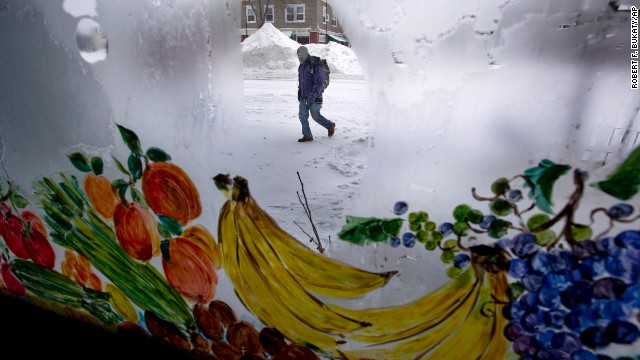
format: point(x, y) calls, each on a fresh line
point(269, 53)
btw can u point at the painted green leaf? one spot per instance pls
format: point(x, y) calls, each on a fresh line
point(131, 140)
point(581, 232)
point(515, 290)
point(156, 154)
point(97, 165)
point(121, 187)
point(19, 201)
point(171, 224)
point(120, 166)
point(543, 177)
point(537, 220)
point(138, 197)
point(164, 249)
point(358, 230)
point(164, 232)
point(623, 182)
point(134, 164)
point(80, 161)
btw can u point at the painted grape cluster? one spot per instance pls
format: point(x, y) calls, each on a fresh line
point(572, 293)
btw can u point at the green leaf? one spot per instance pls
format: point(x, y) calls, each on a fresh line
point(358, 230)
point(131, 140)
point(623, 182)
point(120, 166)
point(19, 201)
point(543, 177)
point(80, 161)
point(581, 232)
point(515, 290)
point(498, 229)
point(537, 220)
point(135, 166)
point(172, 225)
point(121, 187)
point(97, 165)
point(138, 197)
point(164, 232)
point(156, 154)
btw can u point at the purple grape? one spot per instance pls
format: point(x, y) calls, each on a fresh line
point(584, 249)
point(504, 243)
point(532, 282)
point(582, 354)
point(545, 338)
point(513, 330)
point(622, 332)
point(533, 322)
point(445, 229)
point(524, 245)
point(566, 342)
point(528, 302)
point(400, 207)
point(526, 345)
point(631, 296)
point(395, 241)
point(620, 211)
point(548, 297)
point(514, 195)
point(486, 222)
point(580, 293)
point(628, 239)
point(555, 319)
point(611, 310)
point(594, 338)
point(580, 319)
point(409, 239)
point(609, 288)
point(518, 268)
point(558, 280)
point(461, 261)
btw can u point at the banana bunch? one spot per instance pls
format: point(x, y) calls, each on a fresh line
point(278, 279)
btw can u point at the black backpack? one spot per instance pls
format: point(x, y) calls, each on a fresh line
point(324, 65)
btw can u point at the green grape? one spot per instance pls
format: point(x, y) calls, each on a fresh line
point(447, 256)
point(414, 218)
point(450, 244)
point(537, 220)
point(545, 237)
point(460, 212)
point(453, 272)
point(423, 216)
point(475, 216)
point(422, 236)
point(498, 229)
point(436, 236)
point(581, 232)
point(500, 207)
point(415, 226)
point(460, 228)
point(515, 290)
point(429, 226)
point(500, 186)
point(430, 245)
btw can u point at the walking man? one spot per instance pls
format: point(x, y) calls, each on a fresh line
point(310, 89)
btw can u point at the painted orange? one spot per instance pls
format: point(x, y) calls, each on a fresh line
point(202, 237)
point(100, 194)
point(170, 192)
point(190, 271)
point(137, 231)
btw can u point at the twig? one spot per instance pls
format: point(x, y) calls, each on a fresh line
point(307, 211)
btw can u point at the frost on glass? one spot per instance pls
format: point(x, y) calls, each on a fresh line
point(466, 92)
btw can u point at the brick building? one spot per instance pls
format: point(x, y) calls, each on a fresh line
point(305, 21)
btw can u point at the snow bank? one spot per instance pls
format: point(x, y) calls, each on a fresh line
point(269, 53)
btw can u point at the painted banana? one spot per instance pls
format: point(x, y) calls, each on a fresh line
point(278, 278)
point(467, 332)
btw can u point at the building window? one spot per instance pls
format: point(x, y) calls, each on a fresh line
point(334, 20)
point(324, 14)
point(294, 13)
point(269, 14)
point(251, 15)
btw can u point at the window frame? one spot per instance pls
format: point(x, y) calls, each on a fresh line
point(266, 14)
point(248, 9)
point(293, 10)
point(334, 20)
point(324, 15)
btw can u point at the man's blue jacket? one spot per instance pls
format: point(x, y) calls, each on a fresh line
point(310, 79)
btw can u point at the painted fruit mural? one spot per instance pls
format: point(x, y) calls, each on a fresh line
point(529, 278)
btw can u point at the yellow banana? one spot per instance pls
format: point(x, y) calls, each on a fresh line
point(466, 333)
point(319, 274)
point(266, 288)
